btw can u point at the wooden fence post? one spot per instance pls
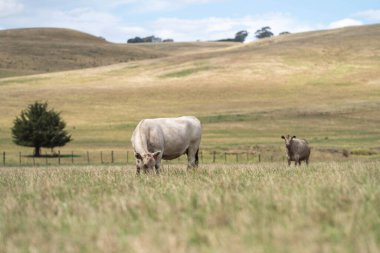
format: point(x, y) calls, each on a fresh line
point(59, 157)
point(88, 158)
point(127, 156)
point(101, 157)
point(4, 158)
point(20, 158)
point(213, 156)
point(112, 156)
point(72, 157)
point(225, 157)
point(259, 157)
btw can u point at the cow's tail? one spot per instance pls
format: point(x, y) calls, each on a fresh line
point(196, 158)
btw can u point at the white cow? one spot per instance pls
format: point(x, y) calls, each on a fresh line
point(166, 138)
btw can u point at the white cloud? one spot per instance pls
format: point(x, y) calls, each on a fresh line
point(345, 22)
point(369, 14)
point(160, 5)
point(10, 7)
point(214, 28)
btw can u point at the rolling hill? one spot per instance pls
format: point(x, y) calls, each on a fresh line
point(323, 86)
point(41, 50)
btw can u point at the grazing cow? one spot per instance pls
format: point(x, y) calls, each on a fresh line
point(166, 138)
point(297, 150)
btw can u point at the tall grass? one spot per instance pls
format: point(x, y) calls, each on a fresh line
point(268, 207)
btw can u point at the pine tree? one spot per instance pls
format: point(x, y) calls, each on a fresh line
point(39, 128)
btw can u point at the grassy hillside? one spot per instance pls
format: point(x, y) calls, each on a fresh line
point(40, 50)
point(323, 86)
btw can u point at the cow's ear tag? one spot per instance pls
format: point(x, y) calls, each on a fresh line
point(156, 154)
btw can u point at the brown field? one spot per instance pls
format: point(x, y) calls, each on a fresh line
point(323, 86)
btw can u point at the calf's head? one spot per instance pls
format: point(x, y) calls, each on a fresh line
point(288, 140)
point(147, 161)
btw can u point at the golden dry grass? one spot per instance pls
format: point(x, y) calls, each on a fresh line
point(327, 207)
point(323, 86)
point(42, 50)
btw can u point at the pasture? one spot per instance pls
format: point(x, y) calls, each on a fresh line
point(323, 86)
point(268, 207)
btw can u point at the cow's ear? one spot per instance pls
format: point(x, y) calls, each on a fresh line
point(294, 137)
point(283, 137)
point(138, 156)
point(156, 154)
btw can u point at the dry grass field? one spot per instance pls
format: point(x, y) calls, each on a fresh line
point(323, 86)
point(327, 207)
point(42, 50)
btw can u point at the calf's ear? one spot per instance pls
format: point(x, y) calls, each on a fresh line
point(138, 156)
point(283, 137)
point(156, 154)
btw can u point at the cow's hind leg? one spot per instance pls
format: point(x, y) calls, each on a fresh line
point(196, 158)
point(192, 158)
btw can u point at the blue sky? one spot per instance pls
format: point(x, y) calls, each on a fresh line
point(186, 20)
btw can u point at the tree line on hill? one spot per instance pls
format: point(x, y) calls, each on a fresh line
point(240, 36)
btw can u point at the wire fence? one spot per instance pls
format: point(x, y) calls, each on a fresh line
point(127, 157)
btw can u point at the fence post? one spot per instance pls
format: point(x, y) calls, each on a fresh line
point(88, 158)
point(4, 158)
point(59, 157)
point(20, 158)
point(127, 156)
point(237, 157)
point(259, 157)
point(72, 157)
point(213, 156)
point(101, 157)
point(225, 157)
point(112, 156)
point(46, 158)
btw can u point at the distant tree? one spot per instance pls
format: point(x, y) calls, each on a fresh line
point(168, 40)
point(136, 40)
point(39, 127)
point(241, 36)
point(284, 33)
point(264, 33)
point(149, 39)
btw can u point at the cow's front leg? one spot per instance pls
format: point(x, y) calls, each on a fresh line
point(137, 170)
point(157, 167)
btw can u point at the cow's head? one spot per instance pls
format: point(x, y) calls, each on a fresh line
point(146, 162)
point(288, 140)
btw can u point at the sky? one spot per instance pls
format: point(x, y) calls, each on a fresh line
point(186, 20)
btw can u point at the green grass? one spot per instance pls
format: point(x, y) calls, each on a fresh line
point(186, 72)
point(269, 207)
